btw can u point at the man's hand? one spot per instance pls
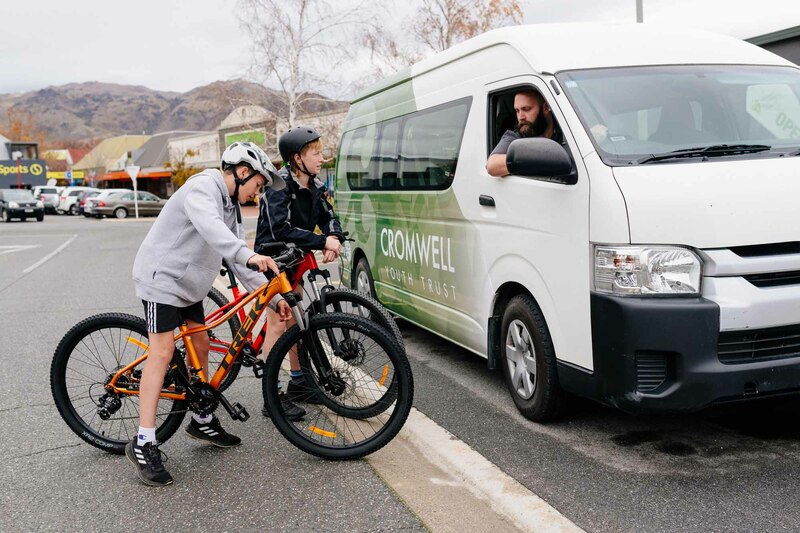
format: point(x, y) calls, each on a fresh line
point(332, 250)
point(263, 263)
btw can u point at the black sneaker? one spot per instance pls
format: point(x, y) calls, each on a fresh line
point(299, 391)
point(212, 432)
point(147, 460)
point(293, 412)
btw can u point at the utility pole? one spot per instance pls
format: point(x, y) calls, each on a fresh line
point(639, 11)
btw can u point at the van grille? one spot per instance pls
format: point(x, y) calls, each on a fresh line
point(752, 345)
point(651, 371)
point(774, 279)
point(779, 248)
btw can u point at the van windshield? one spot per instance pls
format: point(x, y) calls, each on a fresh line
point(641, 115)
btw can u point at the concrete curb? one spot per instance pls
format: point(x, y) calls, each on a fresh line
point(485, 480)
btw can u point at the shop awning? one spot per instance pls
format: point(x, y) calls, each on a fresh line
point(122, 175)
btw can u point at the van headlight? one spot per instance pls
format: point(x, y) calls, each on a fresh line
point(13, 205)
point(39, 205)
point(646, 270)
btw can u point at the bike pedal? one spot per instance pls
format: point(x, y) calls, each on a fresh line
point(239, 412)
point(259, 367)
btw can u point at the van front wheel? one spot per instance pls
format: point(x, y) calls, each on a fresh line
point(529, 362)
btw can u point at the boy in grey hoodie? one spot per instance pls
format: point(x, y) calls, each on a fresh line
point(173, 271)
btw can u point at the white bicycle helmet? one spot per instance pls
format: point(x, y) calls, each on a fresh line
point(253, 156)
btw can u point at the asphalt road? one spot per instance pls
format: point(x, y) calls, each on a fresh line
point(53, 481)
point(725, 469)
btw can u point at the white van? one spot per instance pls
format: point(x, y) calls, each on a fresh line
point(651, 261)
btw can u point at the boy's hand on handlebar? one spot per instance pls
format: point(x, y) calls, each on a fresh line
point(263, 263)
point(332, 250)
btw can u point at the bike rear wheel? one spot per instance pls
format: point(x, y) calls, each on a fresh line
point(85, 359)
point(359, 411)
point(221, 338)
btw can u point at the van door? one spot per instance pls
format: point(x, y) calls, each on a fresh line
point(536, 233)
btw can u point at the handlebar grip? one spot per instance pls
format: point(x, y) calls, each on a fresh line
point(252, 267)
point(270, 248)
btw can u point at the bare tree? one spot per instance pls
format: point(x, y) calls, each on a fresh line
point(298, 44)
point(442, 23)
point(436, 26)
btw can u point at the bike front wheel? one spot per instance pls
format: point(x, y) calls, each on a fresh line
point(364, 396)
point(358, 303)
point(85, 360)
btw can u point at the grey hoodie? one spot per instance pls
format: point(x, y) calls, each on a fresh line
point(182, 253)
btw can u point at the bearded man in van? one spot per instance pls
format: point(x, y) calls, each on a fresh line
point(534, 119)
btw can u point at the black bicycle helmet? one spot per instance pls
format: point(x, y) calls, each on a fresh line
point(292, 141)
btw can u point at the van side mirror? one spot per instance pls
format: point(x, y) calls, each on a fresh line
point(540, 158)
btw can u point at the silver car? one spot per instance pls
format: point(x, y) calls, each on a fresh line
point(121, 205)
point(91, 203)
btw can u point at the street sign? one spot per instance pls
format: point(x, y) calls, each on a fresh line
point(133, 171)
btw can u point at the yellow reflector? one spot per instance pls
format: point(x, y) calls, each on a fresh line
point(385, 373)
point(140, 344)
point(318, 431)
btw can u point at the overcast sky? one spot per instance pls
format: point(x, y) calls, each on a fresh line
point(177, 45)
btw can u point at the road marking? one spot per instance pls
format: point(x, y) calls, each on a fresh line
point(19, 248)
point(49, 256)
point(506, 495)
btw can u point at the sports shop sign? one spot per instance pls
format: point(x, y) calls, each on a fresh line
point(31, 171)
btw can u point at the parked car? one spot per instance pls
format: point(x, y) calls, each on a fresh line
point(89, 206)
point(48, 196)
point(121, 204)
point(20, 203)
point(82, 197)
point(67, 202)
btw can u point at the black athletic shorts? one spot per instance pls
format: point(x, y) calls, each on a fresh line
point(163, 317)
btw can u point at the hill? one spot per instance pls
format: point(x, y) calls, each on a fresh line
point(88, 110)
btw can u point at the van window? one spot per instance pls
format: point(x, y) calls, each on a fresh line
point(638, 111)
point(418, 151)
point(357, 158)
point(388, 162)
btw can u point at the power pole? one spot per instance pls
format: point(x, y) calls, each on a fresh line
point(639, 11)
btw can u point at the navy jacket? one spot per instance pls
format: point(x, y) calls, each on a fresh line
point(291, 214)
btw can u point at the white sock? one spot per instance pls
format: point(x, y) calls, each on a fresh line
point(202, 419)
point(145, 435)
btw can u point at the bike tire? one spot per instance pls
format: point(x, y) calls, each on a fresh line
point(86, 357)
point(325, 431)
point(362, 305)
point(224, 336)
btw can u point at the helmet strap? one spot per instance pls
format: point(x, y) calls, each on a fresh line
point(235, 196)
point(305, 169)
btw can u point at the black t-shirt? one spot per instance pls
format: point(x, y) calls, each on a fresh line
point(513, 135)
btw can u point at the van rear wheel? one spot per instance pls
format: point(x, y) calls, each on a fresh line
point(529, 362)
point(362, 278)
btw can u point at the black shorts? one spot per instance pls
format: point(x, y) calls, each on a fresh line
point(162, 317)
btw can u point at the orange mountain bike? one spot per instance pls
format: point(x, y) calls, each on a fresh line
point(326, 298)
point(358, 371)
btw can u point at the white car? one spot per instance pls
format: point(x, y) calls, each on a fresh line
point(89, 208)
point(68, 201)
point(49, 196)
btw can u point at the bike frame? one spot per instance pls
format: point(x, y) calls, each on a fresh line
point(260, 298)
point(308, 264)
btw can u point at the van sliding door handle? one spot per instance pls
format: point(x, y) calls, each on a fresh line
point(486, 200)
